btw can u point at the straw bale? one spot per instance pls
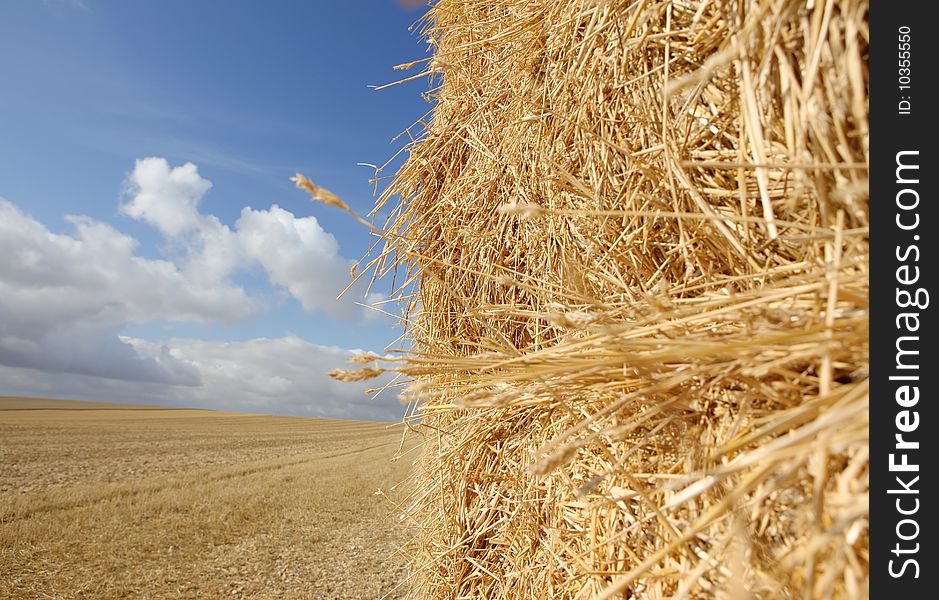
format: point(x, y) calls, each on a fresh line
point(631, 247)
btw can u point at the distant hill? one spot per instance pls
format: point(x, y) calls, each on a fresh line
point(21, 403)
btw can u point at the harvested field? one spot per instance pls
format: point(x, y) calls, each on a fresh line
point(117, 501)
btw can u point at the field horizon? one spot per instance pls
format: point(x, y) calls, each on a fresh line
point(102, 500)
point(46, 403)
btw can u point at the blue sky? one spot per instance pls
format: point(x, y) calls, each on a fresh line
point(249, 93)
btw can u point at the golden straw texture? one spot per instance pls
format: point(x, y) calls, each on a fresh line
point(631, 244)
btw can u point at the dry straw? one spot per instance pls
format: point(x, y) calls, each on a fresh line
point(631, 246)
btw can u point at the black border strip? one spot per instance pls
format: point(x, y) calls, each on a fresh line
point(904, 267)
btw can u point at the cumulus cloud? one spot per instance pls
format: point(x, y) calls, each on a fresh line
point(166, 197)
point(298, 255)
point(100, 352)
point(295, 253)
point(287, 375)
point(65, 299)
point(281, 376)
point(96, 277)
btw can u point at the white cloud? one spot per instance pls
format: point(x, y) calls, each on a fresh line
point(166, 197)
point(280, 376)
point(95, 277)
point(286, 375)
point(65, 299)
point(378, 309)
point(298, 255)
point(97, 351)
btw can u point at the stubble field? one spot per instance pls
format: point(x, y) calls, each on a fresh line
point(122, 501)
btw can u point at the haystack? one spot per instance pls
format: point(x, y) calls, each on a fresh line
point(631, 246)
